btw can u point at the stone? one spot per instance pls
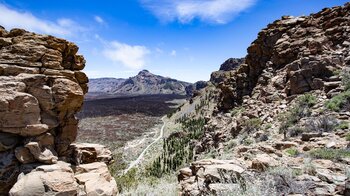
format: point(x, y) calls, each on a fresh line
point(89, 153)
point(55, 179)
point(42, 153)
point(209, 173)
point(24, 156)
point(284, 145)
point(96, 179)
point(262, 162)
point(308, 135)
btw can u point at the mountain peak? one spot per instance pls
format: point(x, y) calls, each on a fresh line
point(144, 72)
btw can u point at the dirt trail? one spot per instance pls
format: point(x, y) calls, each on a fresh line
point(137, 161)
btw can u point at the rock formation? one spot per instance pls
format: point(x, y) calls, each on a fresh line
point(42, 87)
point(274, 114)
point(225, 68)
point(298, 54)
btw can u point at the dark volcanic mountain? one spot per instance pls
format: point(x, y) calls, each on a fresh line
point(144, 83)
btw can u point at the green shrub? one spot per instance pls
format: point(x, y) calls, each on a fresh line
point(284, 171)
point(307, 100)
point(268, 126)
point(322, 124)
point(247, 141)
point(295, 131)
point(339, 101)
point(292, 152)
point(252, 125)
point(346, 79)
point(236, 111)
point(292, 117)
point(343, 125)
point(127, 181)
point(347, 137)
point(231, 144)
point(331, 154)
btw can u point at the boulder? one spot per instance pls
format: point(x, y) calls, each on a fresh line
point(89, 153)
point(57, 179)
point(95, 179)
point(212, 173)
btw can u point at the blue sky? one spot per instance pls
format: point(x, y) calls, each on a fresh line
point(183, 39)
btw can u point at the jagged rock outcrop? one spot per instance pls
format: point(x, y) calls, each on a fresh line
point(42, 87)
point(292, 56)
point(230, 64)
point(193, 89)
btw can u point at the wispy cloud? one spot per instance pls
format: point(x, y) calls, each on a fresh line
point(130, 56)
point(11, 18)
point(99, 19)
point(185, 11)
point(173, 53)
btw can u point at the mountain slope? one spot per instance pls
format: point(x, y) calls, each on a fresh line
point(277, 123)
point(144, 83)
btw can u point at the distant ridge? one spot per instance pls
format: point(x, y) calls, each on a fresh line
point(144, 83)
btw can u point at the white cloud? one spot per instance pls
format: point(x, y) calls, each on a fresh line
point(184, 11)
point(130, 56)
point(173, 53)
point(11, 18)
point(99, 20)
point(160, 51)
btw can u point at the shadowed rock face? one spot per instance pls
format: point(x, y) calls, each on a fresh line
point(42, 87)
point(291, 56)
point(225, 68)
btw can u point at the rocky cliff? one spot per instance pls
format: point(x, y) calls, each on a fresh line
point(282, 116)
point(42, 87)
point(298, 54)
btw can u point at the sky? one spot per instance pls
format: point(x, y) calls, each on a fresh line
point(182, 39)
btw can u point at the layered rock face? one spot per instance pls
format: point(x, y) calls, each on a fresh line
point(274, 111)
point(292, 56)
point(42, 87)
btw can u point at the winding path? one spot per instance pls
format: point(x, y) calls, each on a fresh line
point(137, 161)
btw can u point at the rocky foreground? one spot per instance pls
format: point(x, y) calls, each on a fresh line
point(42, 87)
point(281, 125)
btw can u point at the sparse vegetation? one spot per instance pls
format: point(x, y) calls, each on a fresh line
point(343, 125)
point(338, 102)
point(331, 154)
point(247, 141)
point(346, 79)
point(309, 167)
point(268, 126)
point(177, 149)
point(307, 99)
point(231, 144)
point(347, 137)
point(251, 125)
point(127, 181)
point(322, 124)
point(295, 131)
point(301, 109)
point(292, 152)
point(237, 110)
